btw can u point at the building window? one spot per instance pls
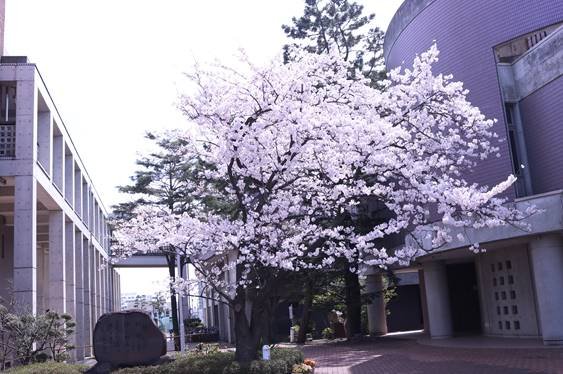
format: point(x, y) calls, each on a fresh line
point(513, 295)
point(508, 265)
point(510, 279)
point(516, 325)
point(514, 309)
point(517, 148)
point(507, 325)
point(501, 280)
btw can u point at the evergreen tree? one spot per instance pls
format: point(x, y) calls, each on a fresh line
point(339, 25)
point(163, 179)
point(329, 26)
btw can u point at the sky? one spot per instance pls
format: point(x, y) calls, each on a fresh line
point(114, 68)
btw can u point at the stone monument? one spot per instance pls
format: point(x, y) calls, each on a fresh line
point(128, 338)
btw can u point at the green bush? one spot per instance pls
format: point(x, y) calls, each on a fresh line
point(216, 362)
point(196, 363)
point(49, 368)
point(290, 356)
point(269, 367)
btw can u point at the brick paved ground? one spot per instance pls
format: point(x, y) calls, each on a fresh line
point(407, 356)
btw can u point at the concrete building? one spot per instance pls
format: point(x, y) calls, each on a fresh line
point(54, 235)
point(509, 54)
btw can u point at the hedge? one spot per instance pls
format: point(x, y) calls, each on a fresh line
point(49, 368)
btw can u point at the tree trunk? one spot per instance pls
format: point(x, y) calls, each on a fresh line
point(248, 330)
point(353, 304)
point(306, 314)
point(173, 304)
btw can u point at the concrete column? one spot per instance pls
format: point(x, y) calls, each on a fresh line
point(87, 327)
point(26, 117)
point(78, 191)
point(84, 214)
point(59, 162)
point(377, 316)
point(57, 265)
point(45, 139)
point(109, 271)
point(99, 306)
point(79, 288)
point(118, 291)
point(93, 288)
point(423, 301)
point(437, 298)
point(103, 281)
point(25, 243)
point(546, 254)
point(69, 266)
point(69, 178)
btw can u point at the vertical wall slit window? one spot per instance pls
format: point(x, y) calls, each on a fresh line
point(517, 147)
point(7, 121)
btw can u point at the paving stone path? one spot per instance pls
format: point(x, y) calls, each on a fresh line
point(398, 356)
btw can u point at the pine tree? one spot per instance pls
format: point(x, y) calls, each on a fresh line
point(163, 179)
point(339, 25)
point(327, 26)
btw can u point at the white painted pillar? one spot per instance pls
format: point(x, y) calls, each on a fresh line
point(377, 316)
point(438, 302)
point(79, 289)
point(88, 315)
point(546, 254)
point(57, 265)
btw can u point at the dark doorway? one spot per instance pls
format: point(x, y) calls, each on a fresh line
point(405, 310)
point(464, 298)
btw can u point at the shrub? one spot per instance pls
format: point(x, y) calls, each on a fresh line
point(328, 333)
point(290, 356)
point(301, 369)
point(32, 339)
point(49, 368)
point(210, 361)
point(233, 368)
point(269, 367)
point(196, 363)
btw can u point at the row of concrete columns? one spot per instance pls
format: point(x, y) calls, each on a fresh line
point(79, 280)
point(546, 255)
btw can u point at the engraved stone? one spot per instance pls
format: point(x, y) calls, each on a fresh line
point(128, 338)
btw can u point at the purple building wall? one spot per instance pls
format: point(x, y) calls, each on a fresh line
point(466, 33)
point(542, 114)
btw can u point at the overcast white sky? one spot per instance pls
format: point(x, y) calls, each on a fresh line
point(112, 67)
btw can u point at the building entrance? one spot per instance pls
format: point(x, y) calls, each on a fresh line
point(464, 298)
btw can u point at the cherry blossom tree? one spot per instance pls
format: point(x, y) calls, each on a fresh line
point(288, 147)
